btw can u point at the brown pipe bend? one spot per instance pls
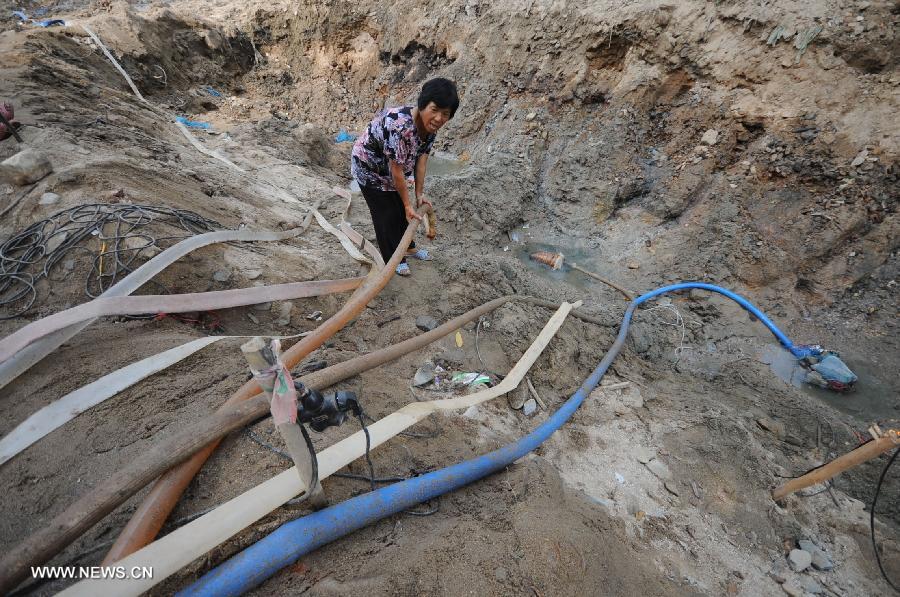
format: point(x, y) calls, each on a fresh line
point(42, 545)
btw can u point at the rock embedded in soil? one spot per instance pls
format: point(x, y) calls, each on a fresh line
point(48, 199)
point(25, 167)
point(284, 313)
point(799, 559)
point(793, 590)
point(221, 275)
point(529, 407)
point(426, 323)
point(710, 137)
point(820, 559)
point(659, 468)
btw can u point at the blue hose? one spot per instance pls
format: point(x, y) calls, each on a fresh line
point(292, 540)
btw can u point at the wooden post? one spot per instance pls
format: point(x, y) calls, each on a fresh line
point(260, 356)
point(865, 452)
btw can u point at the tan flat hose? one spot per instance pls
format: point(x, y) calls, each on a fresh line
point(174, 303)
point(150, 516)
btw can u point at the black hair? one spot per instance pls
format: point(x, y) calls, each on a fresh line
point(442, 92)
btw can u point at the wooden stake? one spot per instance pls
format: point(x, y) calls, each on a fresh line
point(260, 356)
point(868, 451)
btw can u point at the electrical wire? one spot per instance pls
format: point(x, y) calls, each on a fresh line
point(872, 521)
point(32, 254)
point(371, 479)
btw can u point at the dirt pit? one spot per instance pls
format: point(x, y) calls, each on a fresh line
point(749, 146)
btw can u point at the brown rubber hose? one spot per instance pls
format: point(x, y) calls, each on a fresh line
point(170, 303)
point(44, 544)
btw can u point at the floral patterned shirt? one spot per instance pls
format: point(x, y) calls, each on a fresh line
point(391, 135)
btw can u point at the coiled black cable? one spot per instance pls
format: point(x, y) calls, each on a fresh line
point(31, 254)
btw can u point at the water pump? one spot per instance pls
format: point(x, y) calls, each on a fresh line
point(321, 411)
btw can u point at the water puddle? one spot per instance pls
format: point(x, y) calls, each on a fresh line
point(872, 399)
point(445, 164)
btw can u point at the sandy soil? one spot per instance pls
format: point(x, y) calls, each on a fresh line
point(580, 130)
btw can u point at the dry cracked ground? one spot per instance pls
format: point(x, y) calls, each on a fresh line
point(752, 145)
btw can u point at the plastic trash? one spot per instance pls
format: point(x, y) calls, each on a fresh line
point(465, 379)
point(40, 23)
point(344, 137)
point(193, 123)
point(213, 92)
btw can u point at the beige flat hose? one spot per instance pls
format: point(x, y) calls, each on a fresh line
point(170, 303)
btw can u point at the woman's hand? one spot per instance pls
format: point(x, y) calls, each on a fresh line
point(411, 214)
point(422, 200)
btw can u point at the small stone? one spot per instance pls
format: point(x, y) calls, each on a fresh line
point(659, 468)
point(222, 275)
point(426, 323)
point(633, 265)
point(799, 559)
point(710, 137)
point(671, 487)
point(424, 375)
point(529, 407)
point(25, 167)
point(68, 265)
point(820, 559)
point(314, 316)
point(48, 199)
point(531, 116)
point(253, 318)
point(860, 158)
point(284, 313)
point(500, 574)
point(262, 306)
point(517, 397)
point(791, 589)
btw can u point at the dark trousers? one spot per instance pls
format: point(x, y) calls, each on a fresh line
point(389, 219)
